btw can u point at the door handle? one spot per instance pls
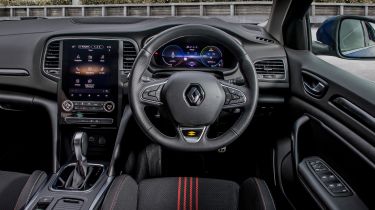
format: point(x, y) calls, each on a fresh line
point(313, 85)
point(315, 88)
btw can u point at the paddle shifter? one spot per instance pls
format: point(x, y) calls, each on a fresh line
point(81, 172)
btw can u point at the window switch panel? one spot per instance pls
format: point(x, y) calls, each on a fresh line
point(328, 178)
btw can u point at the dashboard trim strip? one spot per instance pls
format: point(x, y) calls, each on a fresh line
point(14, 72)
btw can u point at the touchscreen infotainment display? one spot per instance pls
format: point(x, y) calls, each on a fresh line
point(89, 70)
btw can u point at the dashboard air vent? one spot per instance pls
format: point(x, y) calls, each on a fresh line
point(270, 69)
point(265, 39)
point(129, 55)
point(51, 63)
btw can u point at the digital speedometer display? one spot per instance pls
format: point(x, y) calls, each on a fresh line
point(211, 56)
point(193, 53)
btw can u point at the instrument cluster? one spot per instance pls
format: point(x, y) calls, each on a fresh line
point(193, 52)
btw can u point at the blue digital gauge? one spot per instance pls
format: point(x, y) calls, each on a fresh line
point(173, 55)
point(212, 56)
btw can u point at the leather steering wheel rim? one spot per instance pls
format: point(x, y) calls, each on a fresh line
point(142, 63)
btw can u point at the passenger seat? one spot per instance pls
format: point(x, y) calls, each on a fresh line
point(17, 189)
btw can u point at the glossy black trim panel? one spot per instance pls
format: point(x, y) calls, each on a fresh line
point(49, 105)
point(356, 143)
point(127, 114)
point(354, 111)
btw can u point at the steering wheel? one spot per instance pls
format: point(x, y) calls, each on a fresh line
point(194, 99)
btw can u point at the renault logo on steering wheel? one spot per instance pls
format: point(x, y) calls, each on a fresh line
point(194, 95)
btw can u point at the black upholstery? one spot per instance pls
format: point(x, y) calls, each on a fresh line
point(149, 163)
point(254, 194)
point(122, 194)
point(16, 189)
point(187, 193)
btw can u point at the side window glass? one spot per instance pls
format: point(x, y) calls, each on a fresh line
point(347, 43)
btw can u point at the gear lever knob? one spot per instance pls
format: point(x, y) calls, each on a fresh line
point(78, 176)
point(80, 144)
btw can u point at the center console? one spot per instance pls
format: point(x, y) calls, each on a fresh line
point(89, 113)
point(77, 185)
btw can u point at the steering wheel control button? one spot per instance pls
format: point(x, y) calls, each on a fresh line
point(109, 106)
point(67, 105)
point(194, 95)
point(152, 93)
point(233, 96)
point(192, 135)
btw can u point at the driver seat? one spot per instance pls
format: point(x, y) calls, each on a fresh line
point(187, 193)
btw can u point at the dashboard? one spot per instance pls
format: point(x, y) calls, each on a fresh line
point(33, 59)
point(192, 53)
point(77, 68)
point(90, 74)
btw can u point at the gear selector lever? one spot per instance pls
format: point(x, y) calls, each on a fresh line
point(81, 172)
point(80, 145)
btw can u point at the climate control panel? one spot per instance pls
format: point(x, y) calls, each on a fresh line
point(88, 106)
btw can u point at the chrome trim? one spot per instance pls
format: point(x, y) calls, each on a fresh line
point(64, 108)
point(109, 102)
point(76, 191)
point(189, 139)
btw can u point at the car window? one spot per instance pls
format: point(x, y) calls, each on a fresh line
point(238, 11)
point(352, 30)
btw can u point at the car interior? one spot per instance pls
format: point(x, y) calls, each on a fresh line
point(181, 113)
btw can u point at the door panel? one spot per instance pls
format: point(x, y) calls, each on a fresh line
point(341, 84)
point(339, 129)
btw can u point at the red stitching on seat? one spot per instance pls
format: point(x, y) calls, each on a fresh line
point(114, 201)
point(179, 193)
point(196, 193)
point(185, 182)
point(191, 193)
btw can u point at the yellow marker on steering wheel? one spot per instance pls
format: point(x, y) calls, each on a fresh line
point(192, 133)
